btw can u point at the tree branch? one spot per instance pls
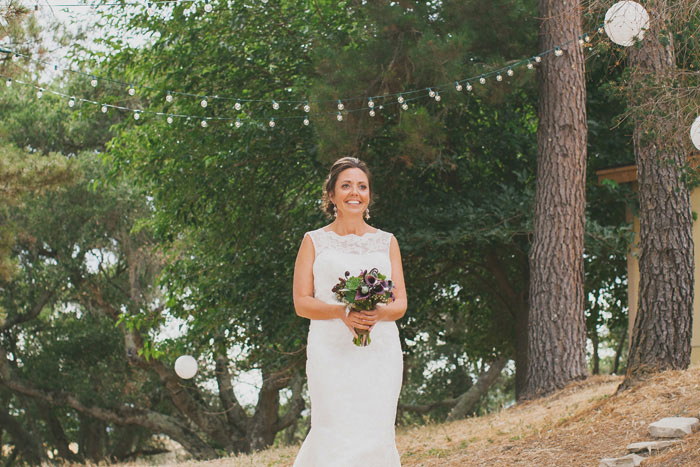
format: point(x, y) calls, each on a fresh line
point(467, 401)
point(235, 414)
point(296, 404)
point(46, 296)
point(426, 408)
point(23, 440)
point(123, 415)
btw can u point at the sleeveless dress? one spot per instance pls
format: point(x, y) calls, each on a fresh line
point(354, 390)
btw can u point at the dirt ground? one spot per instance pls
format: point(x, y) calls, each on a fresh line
point(579, 425)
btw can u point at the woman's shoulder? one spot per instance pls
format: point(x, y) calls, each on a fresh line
point(314, 235)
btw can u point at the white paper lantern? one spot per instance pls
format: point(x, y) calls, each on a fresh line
point(695, 133)
point(625, 22)
point(186, 366)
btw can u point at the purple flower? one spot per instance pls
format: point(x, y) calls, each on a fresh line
point(370, 280)
point(362, 293)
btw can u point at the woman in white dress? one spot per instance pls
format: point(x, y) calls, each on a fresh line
point(354, 390)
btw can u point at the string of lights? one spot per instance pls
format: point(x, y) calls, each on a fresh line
point(372, 104)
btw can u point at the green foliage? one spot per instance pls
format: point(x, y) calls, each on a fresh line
point(227, 207)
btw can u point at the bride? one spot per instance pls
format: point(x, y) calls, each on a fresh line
point(354, 390)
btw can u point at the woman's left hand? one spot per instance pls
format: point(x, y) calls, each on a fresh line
point(371, 317)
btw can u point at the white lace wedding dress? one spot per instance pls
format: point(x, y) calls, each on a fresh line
point(354, 390)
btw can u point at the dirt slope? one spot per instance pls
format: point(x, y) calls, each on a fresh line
point(578, 425)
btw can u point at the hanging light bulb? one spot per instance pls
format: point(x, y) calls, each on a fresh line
point(482, 80)
point(587, 38)
point(208, 7)
point(40, 93)
point(15, 57)
point(204, 102)
point(469, 87)
point(237, 105)
point(372, 113)
point(499, 77)
point(601, 30)
point(204, 123)
point(168, 97)
point(431, 93)
point(558, 52)
point(370, 103)
point(400, 99)
point(104, 109)
point(169, 119)
point(530, 66)
point(137, 115)
point(8, 83)
point(509, 72)
point(404, 106)
point(341, 106)
point(93, 82)
point(538, 59)
point(458, 86)
point(437, 96)
point(71, 102)
point(339, 117)
point(275, 105)
point(132, 91)
point(306, 121)
point(307, 107)
point(271, 123)
point(580, 40)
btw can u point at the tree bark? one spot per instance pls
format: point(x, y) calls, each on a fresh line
point(515, 299)
point(467, 401)
point(60, 440)
point(595, 342)
point(122, 415)
point(235, 415)
point(661, 334)
point(556, 322)
point(26, 443)
point(91, 438)
point(619, 349)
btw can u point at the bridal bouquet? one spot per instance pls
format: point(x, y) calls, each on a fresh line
point(363, 292)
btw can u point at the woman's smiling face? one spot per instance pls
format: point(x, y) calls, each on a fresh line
point(351, 192)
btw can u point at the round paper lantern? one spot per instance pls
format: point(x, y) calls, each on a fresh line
point(625, 22)
point(186, 366)
point(695, 132)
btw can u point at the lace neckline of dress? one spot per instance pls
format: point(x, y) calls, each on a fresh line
point(349, 235)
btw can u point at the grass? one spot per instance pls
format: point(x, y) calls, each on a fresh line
point(579, 425)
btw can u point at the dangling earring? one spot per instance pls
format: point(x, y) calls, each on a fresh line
point(367, 214)
point(335, 211)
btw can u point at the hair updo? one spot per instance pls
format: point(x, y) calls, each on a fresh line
point(341, 164)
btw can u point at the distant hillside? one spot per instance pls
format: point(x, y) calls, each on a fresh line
point(578, 426)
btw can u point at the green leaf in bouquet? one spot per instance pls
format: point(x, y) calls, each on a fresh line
point(353, 283)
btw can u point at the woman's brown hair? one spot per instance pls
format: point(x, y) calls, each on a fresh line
point(341, 164)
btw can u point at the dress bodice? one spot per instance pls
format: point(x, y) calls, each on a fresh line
point(336, 254)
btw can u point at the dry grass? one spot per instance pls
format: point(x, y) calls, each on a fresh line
point(578, 425)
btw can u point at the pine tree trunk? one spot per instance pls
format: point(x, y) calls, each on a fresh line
point(556, 322)
point(618, 351)
point(595, 341)
point(662, 328)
